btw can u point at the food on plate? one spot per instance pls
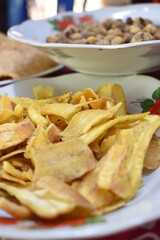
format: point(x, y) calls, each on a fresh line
point(73, 155)
point(41, 92)
point(108, 32)
point(18, 60)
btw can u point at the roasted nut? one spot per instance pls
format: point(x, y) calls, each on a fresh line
point(157, 35)
point(127, 37)
point(87, 34)
point(129, 21)
point(134, 29)
point(126, 28)
point(102, 31)
point(109, 31)
point(91, 40)
point(51, 39)
point(110, 37)
point(107, 24)
point(115, 31)
point(141, 36)
point(75, 36)
point(118, 24)
point(80, 41)
point(70, 30)
point(117, 40)
point(57, 39)
point(99, 37)
point(103, 42)
point(150, 28)
point(140, 22)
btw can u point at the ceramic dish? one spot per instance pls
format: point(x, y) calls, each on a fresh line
point(142, 209)
point(124, 59)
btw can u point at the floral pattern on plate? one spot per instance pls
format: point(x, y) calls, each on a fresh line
point(61, 24)
point(39, 224)
point(152, 104)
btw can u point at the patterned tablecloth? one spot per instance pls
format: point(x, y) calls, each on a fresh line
point(149, 231)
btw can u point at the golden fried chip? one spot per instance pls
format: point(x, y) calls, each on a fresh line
point(83, 121)
point(62, 191)
point(116, 93)
point(106, 209)
point(25, 103)
point(53, 133)
point(15, 209)
point(48, 198)
point(121, 176)
point(105, 90)
point(11, 154)
point(12, 134)
point(152, 158)
point(88, 188)
point(64, 98)
point(23, 175)
point(105, 145)
point(36, 116)
point(10, 178)
point(3, 193)
point(118, 96)
point(43, 92)
point(63, 110)
point(6, 109)
point(101, 129)
point(87, 93)
point(19, 111)
point(65, 160)
point(101, 103)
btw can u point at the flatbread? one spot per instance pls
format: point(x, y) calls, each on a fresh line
point(18, 60)
point(3, 37)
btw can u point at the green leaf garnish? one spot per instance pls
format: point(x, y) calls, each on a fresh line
point(156, 94)
point(146, 104)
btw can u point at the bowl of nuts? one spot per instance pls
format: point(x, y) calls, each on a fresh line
point(121, 40)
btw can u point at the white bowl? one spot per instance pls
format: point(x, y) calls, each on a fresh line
point(143, 208)
point(124, 59)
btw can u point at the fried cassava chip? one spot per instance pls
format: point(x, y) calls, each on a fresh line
point(12, 134)
point(48, 198)
point(121, 168)
point(65, 160)
point(83, 121)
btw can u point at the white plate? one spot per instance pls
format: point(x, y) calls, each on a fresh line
point(124, 59)
point(143, 208)
point(41, 74)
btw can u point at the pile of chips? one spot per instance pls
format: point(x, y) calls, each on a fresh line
point(73, 155)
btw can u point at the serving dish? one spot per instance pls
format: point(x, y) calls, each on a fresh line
point(142, 209)
point(124, 59)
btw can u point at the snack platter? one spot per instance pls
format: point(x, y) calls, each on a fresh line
point(144, 205)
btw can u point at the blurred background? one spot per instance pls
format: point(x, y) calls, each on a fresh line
point(13, 12)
